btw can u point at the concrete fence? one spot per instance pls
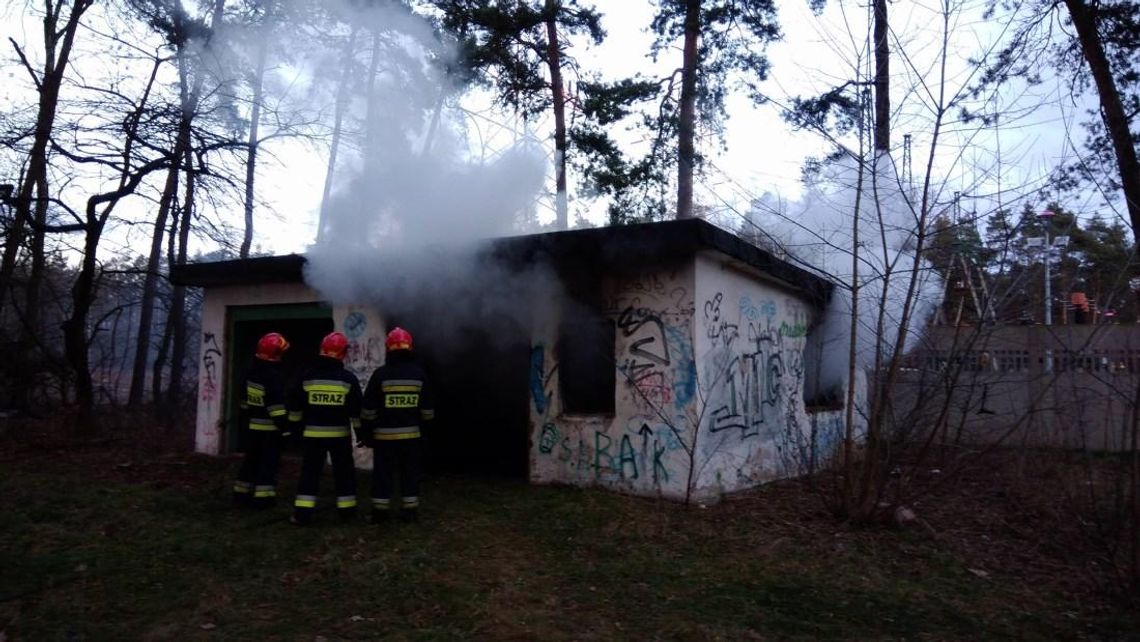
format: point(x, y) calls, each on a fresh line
point(1042, 386)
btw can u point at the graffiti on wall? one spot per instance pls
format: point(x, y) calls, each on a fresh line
point(752, 381)
point(209, 389)
point(646, 362)
point(754, 371)
point(211, 357)
point(757, 377)
point(355, 323)
point(637, 454)
point(630, 457)
point(365, 349)
point(653, 314)
point(656, 382)
point(540, 380)
point(744, 390)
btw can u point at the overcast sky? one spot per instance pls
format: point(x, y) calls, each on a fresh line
point(762, 154)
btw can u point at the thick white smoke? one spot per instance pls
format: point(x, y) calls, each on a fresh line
point(819, 231)
point(411, 208)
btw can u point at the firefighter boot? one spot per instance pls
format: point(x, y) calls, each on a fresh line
point(378, 516)
point(409, 515)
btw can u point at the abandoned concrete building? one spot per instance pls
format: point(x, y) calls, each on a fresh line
point(663, 359)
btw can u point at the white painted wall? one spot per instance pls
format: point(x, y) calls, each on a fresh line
point(709, 394)
point(709, 390)
point(212, 371)
point(642, 448)
point(363, 326)
point(366, 330)
point(749, 351)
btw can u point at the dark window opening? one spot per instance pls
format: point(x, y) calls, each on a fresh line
point(586, 366)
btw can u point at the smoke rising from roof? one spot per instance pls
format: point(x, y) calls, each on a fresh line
point(410, 204)
point(819, 231)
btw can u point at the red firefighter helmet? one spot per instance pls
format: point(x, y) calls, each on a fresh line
point(334, 345)
point(271, 347)
point(398, 339)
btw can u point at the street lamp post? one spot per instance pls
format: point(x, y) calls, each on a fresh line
point(1048, 247)
point(1047, 216)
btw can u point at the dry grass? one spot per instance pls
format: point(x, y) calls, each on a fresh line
point(131, 539)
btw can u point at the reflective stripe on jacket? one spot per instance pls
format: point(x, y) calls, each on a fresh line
point(264, 400)
point(327, 400)
point(397, 400)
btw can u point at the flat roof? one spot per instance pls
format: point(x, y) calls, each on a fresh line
point(609, 248)
point(286, 268)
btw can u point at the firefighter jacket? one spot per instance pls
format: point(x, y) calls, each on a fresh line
point(397, 399)
point(326, 402)
point(264, 400)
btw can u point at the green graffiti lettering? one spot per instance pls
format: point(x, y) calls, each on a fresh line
point(602, 451)
point(660, 474)
point(627, 457)
point(548, 439)
point(793, 330)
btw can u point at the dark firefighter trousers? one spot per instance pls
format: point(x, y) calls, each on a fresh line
point(339, 450)
point(396, 458)
point(257, 477)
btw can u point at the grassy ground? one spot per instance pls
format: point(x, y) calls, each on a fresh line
point(128, 547)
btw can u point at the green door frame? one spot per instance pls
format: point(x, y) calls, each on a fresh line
point(271, 312)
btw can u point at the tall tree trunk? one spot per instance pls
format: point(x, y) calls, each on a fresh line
point(75, 336)
point(1111, 108)
point(57, 51)
point(178, 305)
point(850, 466)
point(371, 109)
point(160, 357)
point(75, 328)
point(83, 290)
point(554, 61)
point(30, 322)
point(251, 146)
point(433, 125)
point(32, 312)
point(882, 142)
point(189, 96)
point(150, 286)
point(338, 120)
point(687, 126)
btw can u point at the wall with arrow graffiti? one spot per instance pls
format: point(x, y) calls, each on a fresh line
point(708, 394)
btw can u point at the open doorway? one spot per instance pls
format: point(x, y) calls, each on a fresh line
point(482, 419)
point(303, 325)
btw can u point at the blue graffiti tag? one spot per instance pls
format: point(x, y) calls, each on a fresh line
point(684, 368)
point(537, 390)
point(355, 324)
point(548, 439)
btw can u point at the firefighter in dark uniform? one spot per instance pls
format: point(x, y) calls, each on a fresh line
point(326, 405)
point(266, 424)
point(396, 401)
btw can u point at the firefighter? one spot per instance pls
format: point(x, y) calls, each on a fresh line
point(326, 405)
point(396, 401)
point(266, 424)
